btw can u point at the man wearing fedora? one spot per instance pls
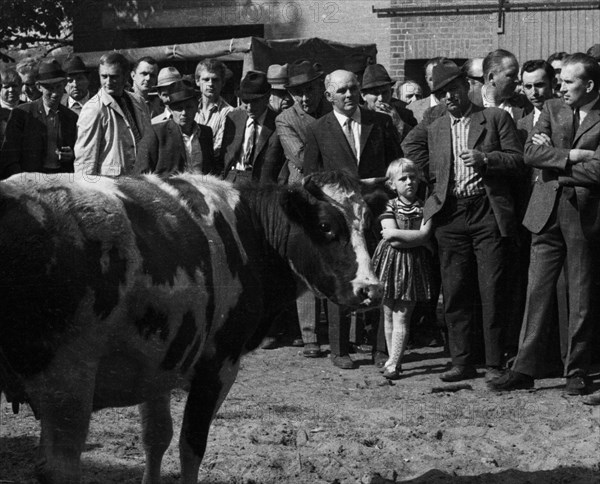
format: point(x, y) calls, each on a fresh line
point(251, 148)
point(169, 80)
point(40, 135)
point(376, 92)
point(78, 83)
point(277, 76)
point(179, 144)
point(111, 124)
point(471, 156)
point(305, 85)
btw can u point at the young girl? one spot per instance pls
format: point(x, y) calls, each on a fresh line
point(402, 260)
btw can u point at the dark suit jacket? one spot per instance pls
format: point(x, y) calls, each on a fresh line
point(327, 147)
point(492, 132)
point(162, 151)
point(25, 142)
point(556, 121)
point(268, 157)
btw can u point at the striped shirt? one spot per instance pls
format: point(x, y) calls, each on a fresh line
point(467, 181)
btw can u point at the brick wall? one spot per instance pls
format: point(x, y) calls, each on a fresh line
point(424, 37)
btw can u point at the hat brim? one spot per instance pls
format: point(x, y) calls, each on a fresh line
point(167, 84)
point(292, 83)
point(52, 80)
point(78, 71)
point(377, 84)
point(447, 81)
point(251, 97)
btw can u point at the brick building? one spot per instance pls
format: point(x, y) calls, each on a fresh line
point(407, 32)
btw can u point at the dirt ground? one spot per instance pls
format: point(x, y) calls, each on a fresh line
point(289, 419)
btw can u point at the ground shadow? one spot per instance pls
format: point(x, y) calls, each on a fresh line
point(562, 475)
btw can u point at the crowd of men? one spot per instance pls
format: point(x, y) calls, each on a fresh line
point(508, 151)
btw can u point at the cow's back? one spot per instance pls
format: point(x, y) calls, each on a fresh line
point(135, 272)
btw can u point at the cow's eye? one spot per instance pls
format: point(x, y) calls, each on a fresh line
point(325, 228)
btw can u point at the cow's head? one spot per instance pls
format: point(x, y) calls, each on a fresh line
point(327, 247)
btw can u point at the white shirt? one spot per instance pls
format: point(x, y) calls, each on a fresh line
point(193, 153)
point(71, 102)
point(356, 128)
point(258, 122)
point(585, 109)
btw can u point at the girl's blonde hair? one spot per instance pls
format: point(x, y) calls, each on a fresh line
point(401, 165)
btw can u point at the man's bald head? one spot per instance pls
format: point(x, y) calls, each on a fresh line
point(342, 91)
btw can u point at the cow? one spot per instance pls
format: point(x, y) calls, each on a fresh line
point(114, 291)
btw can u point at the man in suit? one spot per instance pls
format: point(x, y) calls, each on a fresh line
point(471, 154)
point(563, 217)
point(40, 135)
point(78, 84)
point(251, 148)
point(374, 139)
point(501, 76)
point(419, 107)
point(111, 124)
point(305, 85)
point(10, 89)
point(360, 142)
point(179, 144)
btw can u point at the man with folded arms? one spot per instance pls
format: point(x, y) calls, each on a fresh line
point(563, 217)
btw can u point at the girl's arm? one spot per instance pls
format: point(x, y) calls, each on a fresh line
point(406, 239)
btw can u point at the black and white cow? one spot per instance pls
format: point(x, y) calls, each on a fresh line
point(115, 291)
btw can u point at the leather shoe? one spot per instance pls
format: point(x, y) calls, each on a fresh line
point(343, 361)
point(379, 359)
point(593, 399)
point(492, 373)
point(511, 380)
point(311, 350)
point(269, 343)
point(459, 373)
point(576, 385)
point(392, 374)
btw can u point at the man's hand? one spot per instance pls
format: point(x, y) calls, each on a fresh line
point(472, 158)
point(577, 155)
point(541, 139)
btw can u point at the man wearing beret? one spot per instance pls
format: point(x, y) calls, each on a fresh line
point(40, 135)
point(471, 155)
point(251, 147)
point(179, 144)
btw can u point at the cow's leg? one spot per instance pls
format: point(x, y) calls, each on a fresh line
point(208, 390)
point(64, 408)
point(157, 431)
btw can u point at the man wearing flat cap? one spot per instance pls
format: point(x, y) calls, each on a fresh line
point(251, 149)
point(179, 144)
point(40, 135)
point(78, 83)
point(376, 92)
point(471, 156)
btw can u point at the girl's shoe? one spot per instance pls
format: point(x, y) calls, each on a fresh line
point(391, 374)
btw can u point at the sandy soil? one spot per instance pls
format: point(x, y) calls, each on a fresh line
point(290, 419)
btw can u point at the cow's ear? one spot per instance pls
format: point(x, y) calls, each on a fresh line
point(376, 193)
point(311, 187)
point(299, 204)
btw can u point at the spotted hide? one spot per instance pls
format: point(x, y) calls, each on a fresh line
point(116, 291)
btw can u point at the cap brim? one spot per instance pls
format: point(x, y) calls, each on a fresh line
point(377, 84)
point(78, 71)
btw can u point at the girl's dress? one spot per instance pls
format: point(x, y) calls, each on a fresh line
point(406, 274)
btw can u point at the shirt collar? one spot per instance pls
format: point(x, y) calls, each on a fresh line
point(7, 106)
point(71, 102)
point(356, 116)
point(586, 108)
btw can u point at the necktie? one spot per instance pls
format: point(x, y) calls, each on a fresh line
point(576, 120)
point(350, 136)
point(250, 135)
